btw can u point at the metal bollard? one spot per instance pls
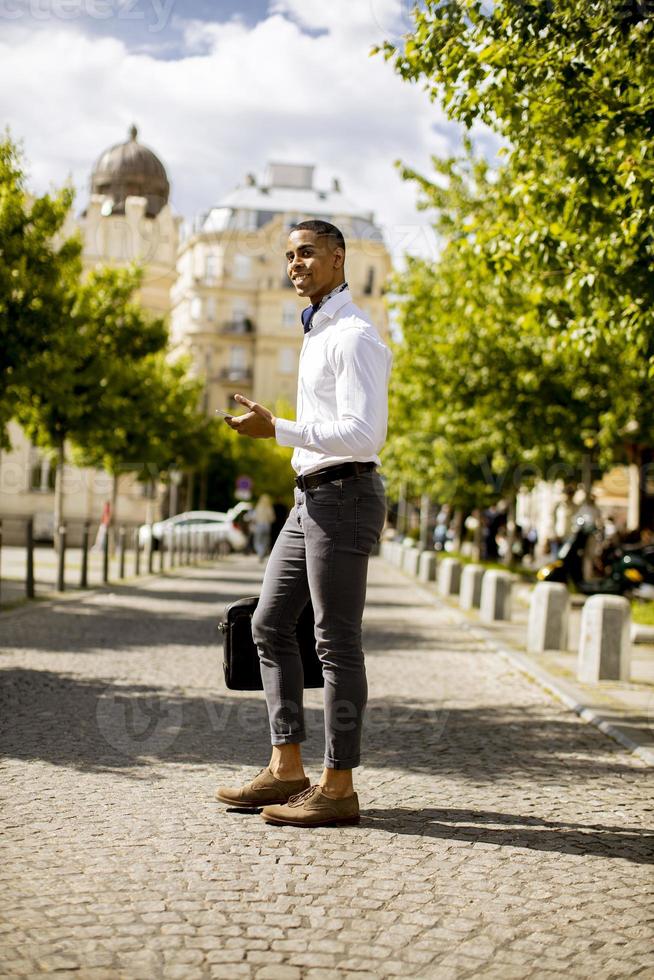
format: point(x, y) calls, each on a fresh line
point(150, 551)
point(137, 552)
point(84, 573)
point(173, 557)
point(121, 552)
point(162, 548)
point(61, 556)
point(105, 557)
point(29, 576)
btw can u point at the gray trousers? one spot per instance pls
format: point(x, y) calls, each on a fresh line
point(321, 553)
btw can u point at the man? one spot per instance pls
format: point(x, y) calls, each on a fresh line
point(322, 552)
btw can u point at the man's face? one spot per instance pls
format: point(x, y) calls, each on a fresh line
point(314, 267)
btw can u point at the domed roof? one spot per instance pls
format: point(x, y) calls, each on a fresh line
point(130, 169)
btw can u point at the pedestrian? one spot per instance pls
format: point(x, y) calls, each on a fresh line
point(262, 518)
point(103, 527)
point(322, 551)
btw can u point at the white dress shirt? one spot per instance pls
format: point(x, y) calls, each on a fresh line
point(342, 397)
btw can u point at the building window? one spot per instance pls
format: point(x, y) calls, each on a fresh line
point(290, 317)
point(264, 217)
point(242, 267)
point(239, 312)
point(245, 220)
point(196, 308)
point(211, 269)
point(287, 360)
point(42, 475)
point(369, 284)
point(237, 358)
point(210, 307)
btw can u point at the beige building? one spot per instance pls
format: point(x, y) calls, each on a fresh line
point(234, 308)
point(127, 219)
point(230, 302)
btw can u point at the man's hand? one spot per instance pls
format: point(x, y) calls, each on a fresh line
point(258, 423)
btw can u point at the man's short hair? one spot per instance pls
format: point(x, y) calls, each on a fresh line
point(322, 229)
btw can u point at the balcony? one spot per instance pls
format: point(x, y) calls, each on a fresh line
point(245, 326)
point(243, 375)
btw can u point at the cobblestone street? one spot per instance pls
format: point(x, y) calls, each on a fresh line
point(501, 836)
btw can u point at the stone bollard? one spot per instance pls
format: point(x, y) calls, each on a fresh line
point(410, 560)
point(449, 576)
point(397, 553)
point(495, 601)
point(549, 608)
point(471, 579)
point(605, 640)
point(427, 566)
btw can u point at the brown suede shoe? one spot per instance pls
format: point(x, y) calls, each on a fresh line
point(263, 789)
point(313, 809)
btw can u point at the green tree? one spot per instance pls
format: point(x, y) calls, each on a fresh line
point(82, 372)
point(267, 463)
point(147, 422)
point(563, 247)
point(39, 270)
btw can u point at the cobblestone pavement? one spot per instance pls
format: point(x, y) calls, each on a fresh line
point(501, 836)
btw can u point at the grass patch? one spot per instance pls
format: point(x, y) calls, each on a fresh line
point(642, 612)
point(528, 574)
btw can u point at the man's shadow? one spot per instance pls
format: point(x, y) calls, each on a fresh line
point(635, 844)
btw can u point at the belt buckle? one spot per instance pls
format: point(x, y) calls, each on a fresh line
point(299, 483)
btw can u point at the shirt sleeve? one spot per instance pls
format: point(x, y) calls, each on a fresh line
point(360, 366)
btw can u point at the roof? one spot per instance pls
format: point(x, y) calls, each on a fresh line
point(296, 202)
point(127, 169)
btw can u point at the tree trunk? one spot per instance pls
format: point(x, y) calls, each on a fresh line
point(59, 490)
point(510, 530)
point(476, 546)
point(402, 509)
point(634, 493)
point(425, 508)
point(458, 528)
point(204, 487)
point(111, 530)
point(190, 489)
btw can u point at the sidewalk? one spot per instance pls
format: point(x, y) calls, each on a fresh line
point(13, 561)
point(623, 710)
point(501, 835)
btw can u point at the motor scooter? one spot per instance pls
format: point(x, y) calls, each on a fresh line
point(630, 569)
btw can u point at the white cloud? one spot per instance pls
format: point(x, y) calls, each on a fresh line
point(239, 97)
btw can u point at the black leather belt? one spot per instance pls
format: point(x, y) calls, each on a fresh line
point(341, 472)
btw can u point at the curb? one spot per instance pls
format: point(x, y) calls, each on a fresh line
point(553, 685)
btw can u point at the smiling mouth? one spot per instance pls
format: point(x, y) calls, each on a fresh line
point(300, 278)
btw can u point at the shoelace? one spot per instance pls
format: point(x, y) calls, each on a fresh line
point(301, 797)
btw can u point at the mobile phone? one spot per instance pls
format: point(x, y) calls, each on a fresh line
point(227, 415)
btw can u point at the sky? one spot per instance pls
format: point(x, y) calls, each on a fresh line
point(217, 89)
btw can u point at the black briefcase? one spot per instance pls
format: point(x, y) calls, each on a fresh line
point(240, 657)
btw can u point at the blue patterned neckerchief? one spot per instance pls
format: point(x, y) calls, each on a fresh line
point(307, 315)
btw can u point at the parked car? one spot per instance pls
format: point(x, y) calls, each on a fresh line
point(221, 526)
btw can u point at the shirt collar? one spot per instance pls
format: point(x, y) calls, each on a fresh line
point(309, 313)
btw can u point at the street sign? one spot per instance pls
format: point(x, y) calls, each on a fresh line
point(243, 488)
